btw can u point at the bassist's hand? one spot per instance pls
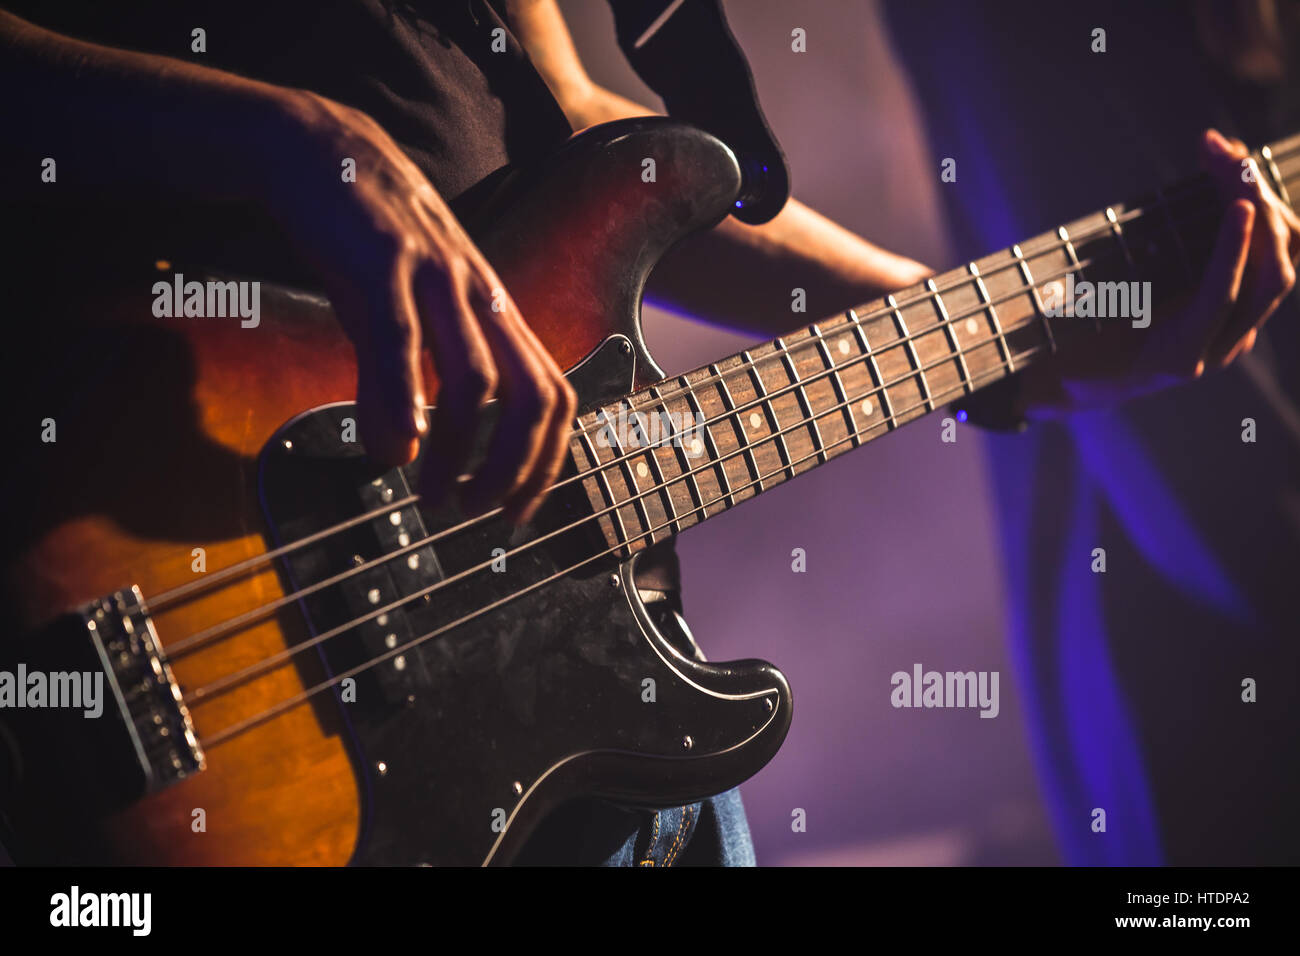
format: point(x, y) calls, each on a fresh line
point(1252, 268)
point(402, 275)
point(400, 271)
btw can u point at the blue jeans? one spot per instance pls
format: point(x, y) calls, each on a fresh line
point(594, 833)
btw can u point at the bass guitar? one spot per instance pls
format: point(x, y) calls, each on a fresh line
point(297, 662)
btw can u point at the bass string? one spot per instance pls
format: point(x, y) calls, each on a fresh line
point(201, 638)
point(171, 597)
point(927, 404)
point(212, 633)
point(166, 599)
point(235, 679)
point(1193, 186)
point(275, 710)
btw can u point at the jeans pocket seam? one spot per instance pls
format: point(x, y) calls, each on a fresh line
point(682, 831)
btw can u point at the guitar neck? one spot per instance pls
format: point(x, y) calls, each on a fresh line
point(666, 457)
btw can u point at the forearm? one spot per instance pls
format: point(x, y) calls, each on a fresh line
point(747, 276)
point(750, 277)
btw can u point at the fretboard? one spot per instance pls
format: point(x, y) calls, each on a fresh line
point(666, 457)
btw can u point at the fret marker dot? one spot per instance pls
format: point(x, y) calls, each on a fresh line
point(866, 406)
point(697, 447)
point(972, 326)
point(844, 346)
point(395, 518)
point(642, 469)
point(755, 419)
point(373, 595)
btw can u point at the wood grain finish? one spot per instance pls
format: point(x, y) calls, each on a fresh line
point(160, 422)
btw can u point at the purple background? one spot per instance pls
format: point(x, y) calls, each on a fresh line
point(902, 560)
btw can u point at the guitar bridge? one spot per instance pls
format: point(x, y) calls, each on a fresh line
point(139, 739)
point(149, 701)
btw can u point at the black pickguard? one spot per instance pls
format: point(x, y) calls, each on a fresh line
point(464, 741)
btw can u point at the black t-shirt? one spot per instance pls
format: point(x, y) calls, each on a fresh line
point(445, 78)
point(1129, 672)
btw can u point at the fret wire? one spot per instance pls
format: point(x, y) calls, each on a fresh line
point(1028, 276)
point(670, 509)
point(1278, 184)
point(946, 395)
point(698, 410)
point(892, 414)
point(1023, 355)
point(886, 404)
point(952, 392)
point(878, 379)
point(986, 301)
point(727, 400)
point(891, 422)
point(802, 394)
point(836, 382)
point(715, 375)
point(650, 531)
point(1119, 237)
point(1204, 186)
point(946, 322)
point(240, 727)
point(683, 457)
point(882, 387)
point(761, 390)
point(1186, 260)
point(1074, 258)
point(911, 349)
point(625, 466)
point(603, 485)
